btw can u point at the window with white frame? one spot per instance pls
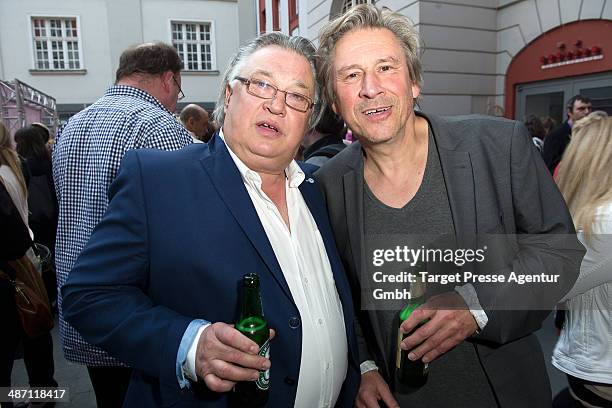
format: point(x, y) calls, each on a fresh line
point(351, 3)
point(194, 43)
point(56, 43)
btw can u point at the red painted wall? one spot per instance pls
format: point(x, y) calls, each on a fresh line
point(275, 15)
point(293, 15)
point(262, 16)
point(526, 66)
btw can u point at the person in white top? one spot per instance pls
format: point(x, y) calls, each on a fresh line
point(144, 290)
point(584, 348)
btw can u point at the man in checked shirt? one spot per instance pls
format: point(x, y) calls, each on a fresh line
point(135, 113)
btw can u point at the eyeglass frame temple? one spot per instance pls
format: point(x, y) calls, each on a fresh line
point(179, 88)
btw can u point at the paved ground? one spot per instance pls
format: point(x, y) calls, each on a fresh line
point(81, 393)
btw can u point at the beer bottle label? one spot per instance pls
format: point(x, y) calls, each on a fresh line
point(398, 357)
point(263, 382)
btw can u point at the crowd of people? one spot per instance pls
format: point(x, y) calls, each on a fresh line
point(578, 153)
point(26, 213)
point(152, 220)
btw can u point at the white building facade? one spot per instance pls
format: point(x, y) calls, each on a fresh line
point(70, 48)
point(470, 47)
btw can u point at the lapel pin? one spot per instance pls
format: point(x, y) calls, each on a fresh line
point(310, 180)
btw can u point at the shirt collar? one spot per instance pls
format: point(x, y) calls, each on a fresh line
point(126, 90)
point(293, 173)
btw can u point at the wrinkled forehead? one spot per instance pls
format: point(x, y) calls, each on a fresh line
point(365, 45)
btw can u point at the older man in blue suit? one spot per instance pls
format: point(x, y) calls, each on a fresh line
point(143, 290)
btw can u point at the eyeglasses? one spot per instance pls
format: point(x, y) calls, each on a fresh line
point(181, 95)
point(264, 90)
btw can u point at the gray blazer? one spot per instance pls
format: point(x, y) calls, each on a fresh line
point(496, 183)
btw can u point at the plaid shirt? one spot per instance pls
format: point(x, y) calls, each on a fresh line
point(86, 159)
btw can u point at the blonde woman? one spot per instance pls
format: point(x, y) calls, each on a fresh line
point(11, 174)
point(584, 350)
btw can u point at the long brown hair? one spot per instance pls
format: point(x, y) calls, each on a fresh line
point(585, 179)
point(9, 157)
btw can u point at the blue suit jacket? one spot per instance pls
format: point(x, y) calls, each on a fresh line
point(179, 234)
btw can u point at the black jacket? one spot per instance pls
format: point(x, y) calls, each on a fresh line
point(555, 144)
point(14, 236)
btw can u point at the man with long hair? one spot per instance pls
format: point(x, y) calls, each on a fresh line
point(419, 175)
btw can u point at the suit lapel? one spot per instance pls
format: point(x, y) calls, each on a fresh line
point(459, 180)
point(227, 180)
point(353, 203)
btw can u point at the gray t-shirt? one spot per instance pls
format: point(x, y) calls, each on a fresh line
point(456, 378)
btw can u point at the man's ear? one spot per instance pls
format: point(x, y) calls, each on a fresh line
point(167, 82)
point(416, 90)
point(228, 95)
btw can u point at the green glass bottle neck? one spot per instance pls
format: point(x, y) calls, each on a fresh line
point(409, 308)
point(251, 303)
point(417, 293)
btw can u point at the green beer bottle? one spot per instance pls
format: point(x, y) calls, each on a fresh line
point(410, 374)
point(253, 325)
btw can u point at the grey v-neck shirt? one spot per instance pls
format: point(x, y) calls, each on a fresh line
point(456, 378)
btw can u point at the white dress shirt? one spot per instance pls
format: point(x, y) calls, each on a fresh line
point(302, 257)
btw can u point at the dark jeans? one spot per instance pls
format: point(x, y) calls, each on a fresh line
point(110, 385)
point(37, 352)
point(577, 385)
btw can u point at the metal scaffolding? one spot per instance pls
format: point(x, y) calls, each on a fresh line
point(22, 104)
